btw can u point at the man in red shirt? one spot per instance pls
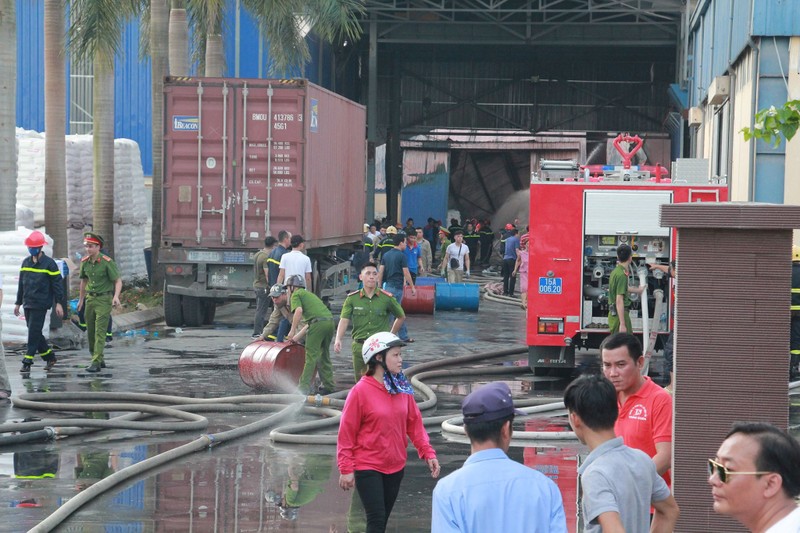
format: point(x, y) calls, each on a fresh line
point(645, 409)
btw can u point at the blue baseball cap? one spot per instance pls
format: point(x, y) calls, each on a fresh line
point(491, 402)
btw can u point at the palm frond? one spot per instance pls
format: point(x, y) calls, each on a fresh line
point(96, 28)
point(281, 22)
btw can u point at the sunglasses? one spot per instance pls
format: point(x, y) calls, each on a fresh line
point(722, 472)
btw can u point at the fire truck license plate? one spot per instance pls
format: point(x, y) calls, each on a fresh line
point(549, 285)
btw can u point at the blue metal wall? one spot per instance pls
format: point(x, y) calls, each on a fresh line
point(133, 81)
point(30, 64)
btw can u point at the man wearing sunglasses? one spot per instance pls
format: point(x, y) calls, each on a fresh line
point(755, 478)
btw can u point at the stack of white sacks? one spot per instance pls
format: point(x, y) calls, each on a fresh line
point(12, 252)
point(130, 198)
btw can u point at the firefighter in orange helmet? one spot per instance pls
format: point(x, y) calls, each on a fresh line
point(40, 286)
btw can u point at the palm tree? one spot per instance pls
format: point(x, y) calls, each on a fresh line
point(55, 123)
point(159, 31)
point(205, 19)
point(8, 114)
point(95, 34)
point(285, 24)
point(178, 39)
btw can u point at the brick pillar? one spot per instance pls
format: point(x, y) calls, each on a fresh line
point(731, 337)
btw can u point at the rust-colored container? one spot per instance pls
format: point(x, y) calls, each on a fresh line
point(272, 365)
point(422, 303)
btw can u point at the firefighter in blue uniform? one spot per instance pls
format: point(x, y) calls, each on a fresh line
point(40, 286)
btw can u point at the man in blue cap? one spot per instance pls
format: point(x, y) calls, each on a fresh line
point(491, 492)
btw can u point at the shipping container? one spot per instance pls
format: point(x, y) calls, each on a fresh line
point(244, 159)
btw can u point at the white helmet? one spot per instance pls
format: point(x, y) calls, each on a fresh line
point(379, 342)
point(295, 280)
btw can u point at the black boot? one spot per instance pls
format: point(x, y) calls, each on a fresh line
point(794, 368)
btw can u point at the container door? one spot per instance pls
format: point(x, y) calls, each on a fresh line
point(197, 129)
point(426, 178)
point(269, 150)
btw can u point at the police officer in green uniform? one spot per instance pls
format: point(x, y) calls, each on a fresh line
point(369, 311)
point(619, 301)
point(100, 289)
point(307, 306)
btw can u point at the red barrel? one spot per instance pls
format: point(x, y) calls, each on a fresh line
point(420, 304)
point(272, 365)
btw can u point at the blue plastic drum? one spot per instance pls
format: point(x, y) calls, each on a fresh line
point(428, 282)
point(457, 296)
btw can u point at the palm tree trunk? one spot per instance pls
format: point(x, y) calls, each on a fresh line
point(55, 111)
point(103, 141)
point(159, 30)
point(178, 40)
point(8, 114)
point(214, 61)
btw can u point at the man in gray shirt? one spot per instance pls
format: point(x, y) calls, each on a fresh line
point(619, 483)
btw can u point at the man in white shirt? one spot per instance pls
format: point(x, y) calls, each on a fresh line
point(755, 478)
point(296, 262)
point(456, 259)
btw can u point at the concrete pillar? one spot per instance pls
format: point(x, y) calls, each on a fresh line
point(731, 336)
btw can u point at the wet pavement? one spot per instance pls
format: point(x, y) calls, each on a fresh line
point(252, 484)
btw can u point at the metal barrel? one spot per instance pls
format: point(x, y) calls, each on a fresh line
point(272, 365)
point(457, 296)
point(421, 303)
point(428, 282)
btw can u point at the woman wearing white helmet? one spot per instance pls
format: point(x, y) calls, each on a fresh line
point(378, 416)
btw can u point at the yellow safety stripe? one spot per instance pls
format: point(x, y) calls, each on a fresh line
point(28, 357)
point(794, 352)
point(795, 308)
point(40, 271)
point(48, 352)
point(271, 260)
point(43, 476)
point(795, 291)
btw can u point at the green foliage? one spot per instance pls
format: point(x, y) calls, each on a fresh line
point(96, 28)
point(774, 122)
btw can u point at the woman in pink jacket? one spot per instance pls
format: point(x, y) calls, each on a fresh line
point(380, 412)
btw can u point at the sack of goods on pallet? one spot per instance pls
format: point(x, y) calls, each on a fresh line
point(131, 207)
point(12, 252)
point(30, 175)
point(78, 166)
point(24, 217)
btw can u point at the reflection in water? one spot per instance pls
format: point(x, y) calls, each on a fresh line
point(243, 487)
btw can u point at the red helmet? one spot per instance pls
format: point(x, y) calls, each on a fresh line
point(509, 226)
point(35, 240)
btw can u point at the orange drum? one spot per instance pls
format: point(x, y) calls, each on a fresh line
point(272, 365)
point(422, 303)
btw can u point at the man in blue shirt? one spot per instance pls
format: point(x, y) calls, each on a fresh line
point(491, 492)
point(509, 260)
point(393, 274)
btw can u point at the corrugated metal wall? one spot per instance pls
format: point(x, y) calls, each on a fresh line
point(30, 64)
point(133, 80)
point(542, 91)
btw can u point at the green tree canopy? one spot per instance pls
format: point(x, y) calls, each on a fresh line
point(774, 122)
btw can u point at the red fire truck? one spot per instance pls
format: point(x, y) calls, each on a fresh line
point(577, 221)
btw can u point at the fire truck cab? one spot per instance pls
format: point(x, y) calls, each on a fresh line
point(576, 225)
